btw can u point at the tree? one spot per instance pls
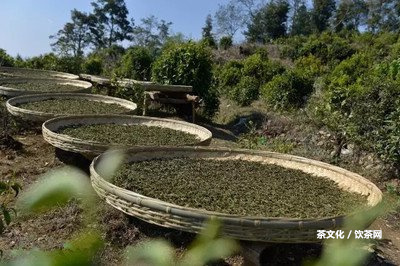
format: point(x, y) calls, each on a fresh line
point(208, 37)
point(301, 21)
point(321, 14)
point(350, 14)
point(269, 22)
point(229, 18)
point(383, 15)
point(109, 23)
point(5, 59)
point(151, 32)
point(74, 37)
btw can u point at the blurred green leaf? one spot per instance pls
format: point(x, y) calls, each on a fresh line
point(55, 188)
point(110, 163)
point(157, 253)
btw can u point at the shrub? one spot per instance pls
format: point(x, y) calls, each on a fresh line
point(188, 64)
point(47, 61)
point(225, 42)
point(110, 58)
point(230, 74)
point(286, 90)
point(309, 66)
point(136, 64)
point(69, 65)
point(93, 66)
point(5, 59)
point(261, 69)
point(246, 91)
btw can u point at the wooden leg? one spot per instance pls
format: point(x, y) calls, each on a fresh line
point(251, 252)
point(145, 104)
point(193, 112)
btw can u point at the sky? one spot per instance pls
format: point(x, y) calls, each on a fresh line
point(25, 25)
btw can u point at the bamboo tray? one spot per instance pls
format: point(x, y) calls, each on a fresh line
point(91, 149)
point(80, 86)
point(35, 116)
point(263, 229)
point(35, 73)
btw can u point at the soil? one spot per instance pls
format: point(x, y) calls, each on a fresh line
point(238, 187)
point(51, 230)
point(130, 135)
point(41, 85)
point(74, 107)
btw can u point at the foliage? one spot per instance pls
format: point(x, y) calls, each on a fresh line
point(261, 68)
point(207, 35)
point(52, 62)
point(136, 64)
point(328, 47)
point(188, 64)
point(287, 90)
point(229, 18)
point(241, 80)
point(321, 13)
point(93, 66)
point(109, 23)
point(151, 33)
point(350, 15)
point(109, 58)
point(5, 59)
point(74, 37)
point(61, 186)
point(8, 191)
point(301, 21)
point(133, 93)
point(225, 42)
point(207, 247)
point(246, 91)
point(309, 66)
point(360, 104)
point(269, 22)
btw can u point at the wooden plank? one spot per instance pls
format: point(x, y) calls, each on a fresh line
point(151, 86)
point(147, 85)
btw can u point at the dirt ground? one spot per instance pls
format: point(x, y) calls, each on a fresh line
point(49, 231)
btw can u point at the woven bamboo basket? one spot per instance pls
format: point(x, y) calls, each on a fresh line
point(264, 229)
point(35, 116)
point(35, 73)
point(79, 86)
point(91, 149)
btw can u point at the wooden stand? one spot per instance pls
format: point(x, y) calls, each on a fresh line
point(174, 98)
point(165, 94)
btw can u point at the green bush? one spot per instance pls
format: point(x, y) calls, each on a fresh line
point(69, 64)
point(188, 64)
point(310, 66)
point(246, 91)
point(362, 106)
point(230, 75)
point(5, 59)
point(328, 47)
point(225, 42)
point(47, 61)
point(136, 64)
point(287, 90)
point(93, 66)
point(261, 69)
point(110, 58)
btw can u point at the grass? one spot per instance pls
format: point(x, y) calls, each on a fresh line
point(74, 107)
point(130, 134)
point(238, 187)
